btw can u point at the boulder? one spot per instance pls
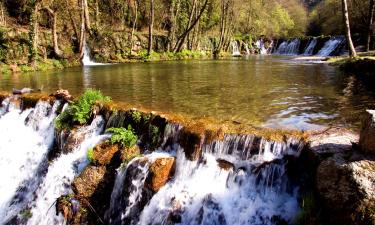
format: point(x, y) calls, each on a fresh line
point(62, 95)
point(159, 173)
point(128, 154)
point(74, 139)
point(367, 136)
point(347, 190)
point(104, 152)
point(85, 185)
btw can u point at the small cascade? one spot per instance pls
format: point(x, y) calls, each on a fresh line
point(26, 137)
point(309, 50)
point(260, 45)
point(235, 49)
point(239, 180)
point(247, 49)
point(331, 46)
point(86, 60)
point(61, 173)
point(289, 47)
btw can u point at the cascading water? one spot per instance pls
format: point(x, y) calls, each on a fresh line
point(240, 180)
point(331, 46)
point(260, 45)
point(289, 47)
point(86, 60)
point(235, 49)
point(61, 173)
point(26, 137)
point(309, 50)
point(247, 49)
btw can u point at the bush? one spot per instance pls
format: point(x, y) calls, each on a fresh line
point(79, 111)
point(124, 137)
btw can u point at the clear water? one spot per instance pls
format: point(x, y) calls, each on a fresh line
point(272, 91)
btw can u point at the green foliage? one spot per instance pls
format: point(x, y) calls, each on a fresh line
point(154, 130)
point(90, 155)
point(124, 137)
point(79, 111)
point(136, 116)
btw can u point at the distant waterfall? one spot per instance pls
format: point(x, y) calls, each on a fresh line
point(235, 49)
point(289, 47)
point(309, 50)
point(260, 45)
point(252, 189)
point(330, 46)
point(86, 60)
point(247, 49)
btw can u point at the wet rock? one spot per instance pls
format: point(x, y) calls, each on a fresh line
point(71, 209)
point(87, 182)
point(62, 95)
point(73, 140)
point(104, 152)
point(224, 164)
point(210, 212)
point(191, 142)
point(128, 154)
point(332, 141)
point(159, 173)
point(367, 136)
point(22, 91)
point(347, 190)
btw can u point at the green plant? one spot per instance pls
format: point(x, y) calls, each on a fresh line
point(79, 111)
point(124, 137)
point(90, 155)
point(136, 116)
point(307, 212)
point(154, 134)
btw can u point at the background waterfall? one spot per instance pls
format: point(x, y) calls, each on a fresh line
point(26, 137)
point(289, 47)
point(330, 46)
point(253, 189)
point(235, 49)
point(86, 60)
point(309, 50)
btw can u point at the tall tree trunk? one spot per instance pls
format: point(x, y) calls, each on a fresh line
point(150, 27)
point(56, 49)
point(2, 14)
point(134, 25)
point(370, 22)
point(352, 52)
point(181, 40)
point(33, 34)
point(82, 38)
point(72, 21)
point(86, 14)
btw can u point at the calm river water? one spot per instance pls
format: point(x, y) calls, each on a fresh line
point(260, 90)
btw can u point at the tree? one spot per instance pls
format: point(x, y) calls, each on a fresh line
point(150, 27)
point(134, 25)
point(53, 14)
point(352, 52)
point(33, 31)
point(370, 22)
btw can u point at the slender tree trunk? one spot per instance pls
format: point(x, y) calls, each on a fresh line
point(352, 52)
point(2, 14)
point(82, 38)
point(33, 34)
point(86, 14)
point(370, 22)
point(134, 25)
point(97, 14)
point(72, 21)
point(181, 40)
point(56, 49)
point(150, 27)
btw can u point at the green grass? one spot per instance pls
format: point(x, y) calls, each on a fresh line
point(80, 111)
point(90, 155)
point(124, 137)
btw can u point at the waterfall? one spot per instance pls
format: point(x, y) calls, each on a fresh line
point(247, 49)
point(309, 50)
point(260, 45)
point(235, 49)
point(86, 60)
point(331, 46)
point(61, 173)
point(289, 47)
point(26, 137)
point(239, 180)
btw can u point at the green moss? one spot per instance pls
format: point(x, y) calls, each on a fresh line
point(308, 207)
point(155, 133)
point(124, 137)
point(26, 213)
point(90, 155)
point(80, 111)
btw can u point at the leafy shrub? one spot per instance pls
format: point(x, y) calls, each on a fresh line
point(136, 116)
point(124, 137)
point(90, 155)
point(79, 111)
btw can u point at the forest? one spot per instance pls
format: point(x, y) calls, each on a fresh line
point(121, 30)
